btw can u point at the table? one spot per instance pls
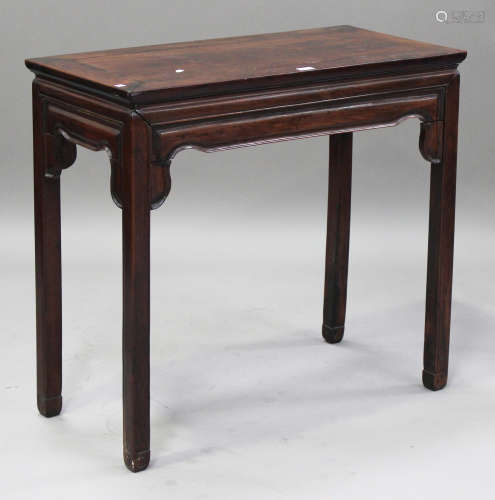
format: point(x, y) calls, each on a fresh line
point(145, 104)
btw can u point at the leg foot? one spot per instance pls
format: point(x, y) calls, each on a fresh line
point(434, 381)
point(49, 407)
point(332, 335)
point(137, 462)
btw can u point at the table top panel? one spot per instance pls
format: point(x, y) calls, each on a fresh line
point(209, 67)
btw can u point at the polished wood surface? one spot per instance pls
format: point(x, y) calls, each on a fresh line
point(144, 74)
point(247, 91)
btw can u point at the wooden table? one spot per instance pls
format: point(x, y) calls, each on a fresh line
point(144, 104)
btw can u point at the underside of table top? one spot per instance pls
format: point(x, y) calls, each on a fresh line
point(158, 73)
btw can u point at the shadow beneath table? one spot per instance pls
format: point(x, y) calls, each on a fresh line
point(240, 393)
point(250, 392)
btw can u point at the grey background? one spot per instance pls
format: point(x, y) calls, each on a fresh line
point(246, 399)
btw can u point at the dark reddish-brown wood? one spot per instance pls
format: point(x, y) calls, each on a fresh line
point(338, 227)
point(148, 74)
point(441, 248)
point(48, 272)
point(136, 283)
point(135, 105)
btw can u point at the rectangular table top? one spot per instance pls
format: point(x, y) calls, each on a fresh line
point(164, 72)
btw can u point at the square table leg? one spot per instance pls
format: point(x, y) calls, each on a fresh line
point(338, 227)
point(136, 294)
point(48, 273)
point(441, 248)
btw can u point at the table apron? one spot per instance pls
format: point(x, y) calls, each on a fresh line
point(251, 128)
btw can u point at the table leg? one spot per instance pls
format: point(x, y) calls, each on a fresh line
point(441, 249)
point(136, 296)
point(337, 247)
point(48, 274)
